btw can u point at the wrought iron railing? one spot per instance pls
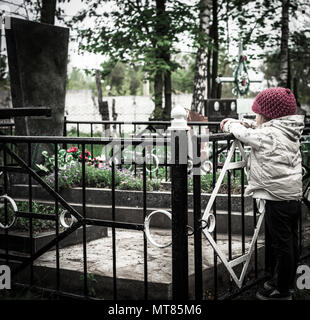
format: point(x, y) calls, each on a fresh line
point(206, 220)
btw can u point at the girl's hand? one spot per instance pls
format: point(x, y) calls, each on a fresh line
point(227, 119)
point(223, 123)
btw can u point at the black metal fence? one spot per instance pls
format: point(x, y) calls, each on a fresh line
point(188, 201)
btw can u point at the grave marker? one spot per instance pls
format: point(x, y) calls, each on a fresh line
point(37, 55)
point(242, 85)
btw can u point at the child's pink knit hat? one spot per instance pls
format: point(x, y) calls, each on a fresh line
point(275, 103)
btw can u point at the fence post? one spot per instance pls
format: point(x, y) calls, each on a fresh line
point(179, 147)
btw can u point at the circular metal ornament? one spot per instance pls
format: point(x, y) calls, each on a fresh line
point(147, 228)
point(209, 222)
point(63, 218)
point(149, 157)
point(190, 231)
point(113, 160)
point(13, 203)
point(304, 171)
point(207, 166)
point(190, 165)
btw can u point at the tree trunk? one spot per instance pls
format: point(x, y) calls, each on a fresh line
point(1, 59)
point(48, 11)
point(215, 49)
point(289, 74)
point(158, 95)
point(167, 73)
point(103, 105)
point(208, 95)
point(114, 114)
point(201, 68)
point(284, 65)
point(168, 100)
point(158, 79)
point(295, 90)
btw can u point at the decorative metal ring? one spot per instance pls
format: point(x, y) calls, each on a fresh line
point(190, 233)
point(147, 221)
point(156, 162)
point(209, 222)
point(62, 219)
point(304, 171)
point(13, 203)
point(207, 166)
point(190, 165)
point(114, 160)
point(245, 171)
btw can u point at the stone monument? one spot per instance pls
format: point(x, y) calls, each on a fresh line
point(38, 56)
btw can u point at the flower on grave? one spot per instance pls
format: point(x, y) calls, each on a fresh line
point(243, 79)
point(80, 156)
point(95, 162)
point(73, 149)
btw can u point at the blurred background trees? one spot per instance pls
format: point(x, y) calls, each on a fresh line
point(181, 46)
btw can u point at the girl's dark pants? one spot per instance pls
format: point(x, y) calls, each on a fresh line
point(282, 235)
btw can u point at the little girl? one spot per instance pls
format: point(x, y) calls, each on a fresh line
point(275, 175)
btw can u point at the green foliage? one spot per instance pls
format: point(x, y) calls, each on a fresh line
point(142, 33)
point(254, 17)
point(124, 79)
point(78, 81)
point(96, 149)
point(23, 224)
point(299, 52)
point(183, 78)
point(64, 159)
point(100, 178)
point(206, 183)
point(91, 281)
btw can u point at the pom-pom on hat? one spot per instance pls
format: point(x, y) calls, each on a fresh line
point(275, 103)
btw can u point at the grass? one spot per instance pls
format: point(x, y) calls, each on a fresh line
point(96, 149)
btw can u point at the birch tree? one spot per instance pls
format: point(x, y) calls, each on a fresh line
point(284, 55)
point(201, 75)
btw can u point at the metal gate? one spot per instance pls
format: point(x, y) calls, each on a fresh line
point(183, 166)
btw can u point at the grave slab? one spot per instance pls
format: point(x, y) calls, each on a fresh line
point(130, 265)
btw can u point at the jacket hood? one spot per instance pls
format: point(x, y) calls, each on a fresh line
point(291, 126)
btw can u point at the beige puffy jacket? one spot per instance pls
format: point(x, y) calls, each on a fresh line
point(275, 165)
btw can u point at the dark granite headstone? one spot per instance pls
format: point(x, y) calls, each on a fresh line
point(219, 109)
point(38, 56)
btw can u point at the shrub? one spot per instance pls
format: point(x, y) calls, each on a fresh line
point(71, 176)
point(23, 224)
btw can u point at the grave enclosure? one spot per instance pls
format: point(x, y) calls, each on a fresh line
point(102, 241)
point(108, 240)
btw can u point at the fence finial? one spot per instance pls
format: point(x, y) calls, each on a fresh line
point(179, 121)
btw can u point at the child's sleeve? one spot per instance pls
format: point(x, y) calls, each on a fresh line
point(249, 123)
point(255, 138)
